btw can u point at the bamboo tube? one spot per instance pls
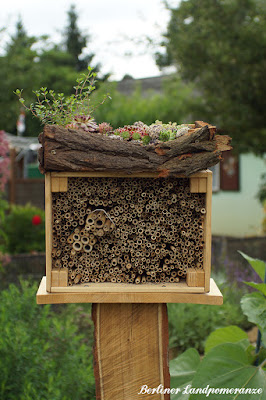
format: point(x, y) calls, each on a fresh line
point(114, 262)
point(92, 240)
point(77, 246)
point(85, 239)
point(76, 237)
point(87, 248)
point(70, 239)
point(58, 264)
point(77, 278)
point(73, 252)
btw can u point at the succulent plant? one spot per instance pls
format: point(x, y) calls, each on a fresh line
point(105, 128)
point(146, 139)
point(164, 136)
point(136, 135)
point(85, 122)
point(125, 135)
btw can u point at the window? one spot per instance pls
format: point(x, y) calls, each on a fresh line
point(215, 177)
point(229, 171)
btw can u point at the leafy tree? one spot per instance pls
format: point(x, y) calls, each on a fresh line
point(75, 41)
point(33, 62)
point(18, 68)
point(220, 45)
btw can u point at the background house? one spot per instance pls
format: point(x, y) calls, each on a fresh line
point(26, 183)
point(235, 209)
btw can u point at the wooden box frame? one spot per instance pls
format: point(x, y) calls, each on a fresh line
point(196, 282)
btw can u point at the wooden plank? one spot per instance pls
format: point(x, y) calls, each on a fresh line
point(202, 185)
point(55, 278)
point(48, 229)
point(130, 351)
point(214, 297)
point(63, 278)
point(148, 288)
point(207, 233)
point(195, 277)
point(63, 184)
point(102, 174)
point(55, 184)
point(194, 185)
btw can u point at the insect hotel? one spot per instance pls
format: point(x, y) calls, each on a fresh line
point(128, 228)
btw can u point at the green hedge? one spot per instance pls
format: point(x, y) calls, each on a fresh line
point(19, 232)
point(44, 354)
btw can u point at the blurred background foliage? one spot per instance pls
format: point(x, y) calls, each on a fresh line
point(175, 103)
point(45, 352)
point(220, 45)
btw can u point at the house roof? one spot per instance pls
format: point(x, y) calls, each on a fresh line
point(22, 143)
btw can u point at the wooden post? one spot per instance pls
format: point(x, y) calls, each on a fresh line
point(130, 350)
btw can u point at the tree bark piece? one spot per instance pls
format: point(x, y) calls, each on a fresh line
point(75, 150)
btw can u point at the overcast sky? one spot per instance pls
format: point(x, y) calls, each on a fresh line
point(108, 22)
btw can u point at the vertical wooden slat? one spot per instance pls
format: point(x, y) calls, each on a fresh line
point(55, 279)
point(63, 184)
point(48, 229)
point(63, 277)
point(195, 278)
point(194, 185)
point(207, 233)
point(202, 185)
point(55, 184)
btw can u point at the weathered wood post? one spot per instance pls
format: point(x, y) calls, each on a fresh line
point(121, 236)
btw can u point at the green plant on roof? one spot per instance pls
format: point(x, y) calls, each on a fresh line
point(73, 110)
point(164, 136)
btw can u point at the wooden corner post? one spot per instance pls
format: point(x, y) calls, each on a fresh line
point(48, 229)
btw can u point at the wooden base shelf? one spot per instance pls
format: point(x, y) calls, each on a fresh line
point(114, 293)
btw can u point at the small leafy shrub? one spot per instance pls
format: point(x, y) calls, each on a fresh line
point(57, 108)
point(190, 324)
point(44, 354)
point(24, 230)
